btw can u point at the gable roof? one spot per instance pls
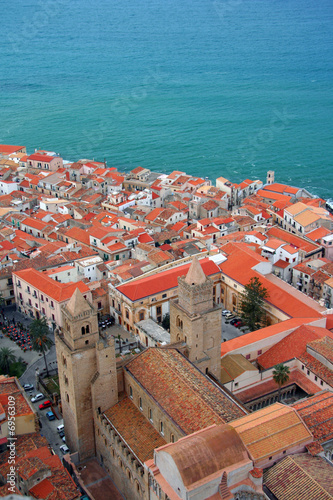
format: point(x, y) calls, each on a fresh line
point(135, 429)
point(192, 401)
point(165, 280)
point(292, 346)
point(271, 430)
point(317, 413)
point(300, 476)
point(54, 289)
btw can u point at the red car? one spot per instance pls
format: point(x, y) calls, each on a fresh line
point(238, 323)
point(45, 404)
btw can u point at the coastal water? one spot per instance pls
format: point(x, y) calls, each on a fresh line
point(211, 87)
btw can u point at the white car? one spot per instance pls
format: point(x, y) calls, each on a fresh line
point(225, 312)
point(64, 449)
point(38, 397)
point(28, 387)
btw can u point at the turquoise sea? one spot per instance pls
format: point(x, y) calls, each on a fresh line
point(215, 88)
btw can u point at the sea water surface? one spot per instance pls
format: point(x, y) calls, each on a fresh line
point(213, 88)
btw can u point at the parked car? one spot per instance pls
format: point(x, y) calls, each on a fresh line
point(60, 428)
point(50, 415)
point(37, 397)
point(64, 439)
point(61, 434)
point(225, 312)
point(238, 323)
point(64, 449)
point(45, 404)
point(229, 315)
point(233, 321)
point(28, 387)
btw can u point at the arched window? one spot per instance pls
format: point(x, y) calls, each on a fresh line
point(179, 323)
point(87, 329)
point(83, 330)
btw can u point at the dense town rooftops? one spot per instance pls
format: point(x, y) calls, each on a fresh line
point(165, 280)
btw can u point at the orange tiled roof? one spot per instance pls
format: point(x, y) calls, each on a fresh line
point(162, 281)
point(191, 401)
point(317, 413)
point(286, 300)
point(300, 477)
point(291, 346)
point(271, 430)
point(318, 233)
point(135, 429)
point(53, 289)
point(317, 368)
point(259, 335)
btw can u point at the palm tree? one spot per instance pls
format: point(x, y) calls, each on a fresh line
point(281, 374)
point(40, 341)
point(6, 359)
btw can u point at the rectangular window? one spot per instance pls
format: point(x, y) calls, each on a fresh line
point(248, 356)
point(259, 352)
point(158, 310)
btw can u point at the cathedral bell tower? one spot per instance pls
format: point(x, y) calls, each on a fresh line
point(87, 374)
point(196, 320)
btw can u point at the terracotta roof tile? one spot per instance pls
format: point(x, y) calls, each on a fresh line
point(292, 345)
point(136, 430)
point(54, 289)
point(316, 367)
point(191, 401)
point(164, 280)
point(317, 413)
point(300, 477)
point(271, 430)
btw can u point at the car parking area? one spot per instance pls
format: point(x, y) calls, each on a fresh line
point(49, 423)
point(232, 326)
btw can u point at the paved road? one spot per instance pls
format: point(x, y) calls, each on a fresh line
point(229, 331)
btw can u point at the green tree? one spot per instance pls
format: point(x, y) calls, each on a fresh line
point(166, 321)
point(41, 342)
point(252, 303)
point(281, 374)
point(7, 358)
